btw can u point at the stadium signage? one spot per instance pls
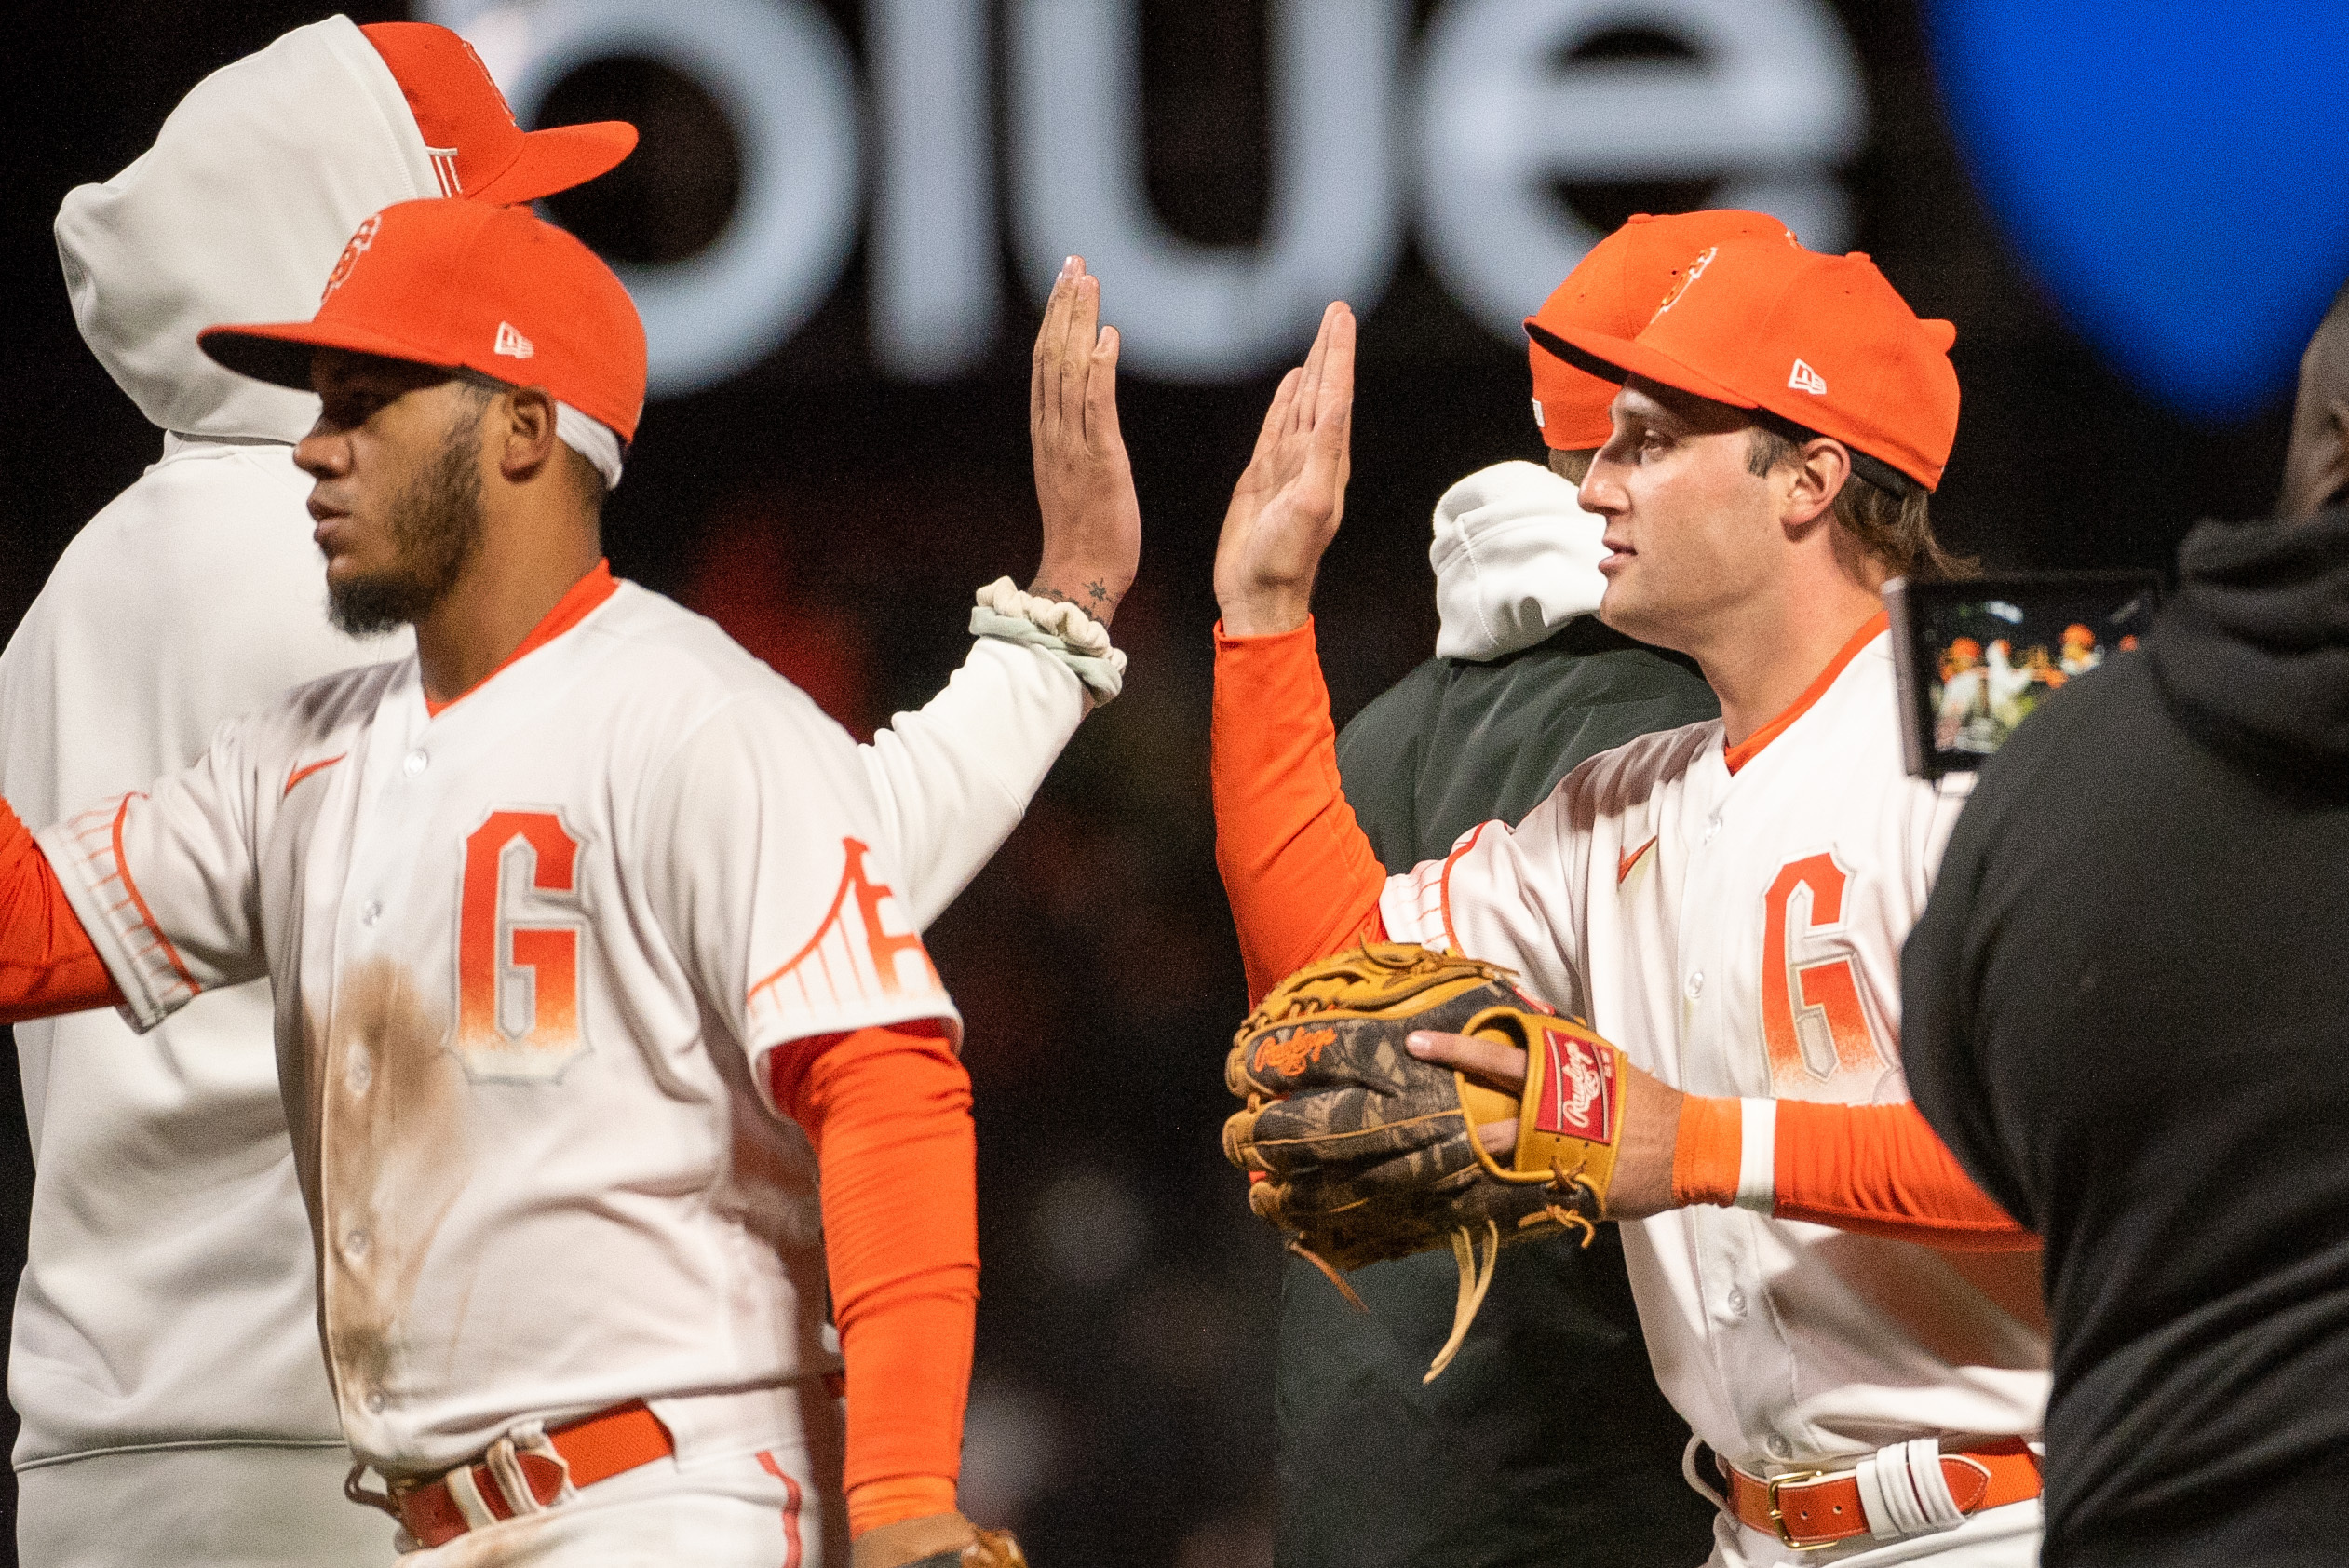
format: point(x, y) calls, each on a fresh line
point(1457, 136)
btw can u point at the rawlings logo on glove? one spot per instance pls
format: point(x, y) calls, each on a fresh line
point(1582, 1098)
point(1365, 1152)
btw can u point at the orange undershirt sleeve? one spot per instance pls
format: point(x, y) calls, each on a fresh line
point(888, 1112)
point(1297, 867)
point(1875, 1170)
point(1706, 1151)
point(47, 964)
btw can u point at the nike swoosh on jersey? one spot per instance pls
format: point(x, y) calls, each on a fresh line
point(1625, 863)
point(297, 775)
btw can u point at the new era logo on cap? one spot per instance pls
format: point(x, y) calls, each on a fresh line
point(1802, 378)
point(513, 342)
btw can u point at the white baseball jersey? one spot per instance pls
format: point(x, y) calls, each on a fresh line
point(1739, 934)
point(528, 956)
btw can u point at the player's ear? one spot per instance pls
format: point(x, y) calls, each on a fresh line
point(1816, 477)
point(526, 438)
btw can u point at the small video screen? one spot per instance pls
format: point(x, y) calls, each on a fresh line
point(1977, 658)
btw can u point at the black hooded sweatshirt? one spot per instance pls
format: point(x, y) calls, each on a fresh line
point(2126, 1010)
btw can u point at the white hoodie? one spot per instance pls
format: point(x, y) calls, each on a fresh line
point(168, 1301)
point(1516, 558)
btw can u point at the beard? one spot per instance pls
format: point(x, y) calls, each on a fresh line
point(435, 525)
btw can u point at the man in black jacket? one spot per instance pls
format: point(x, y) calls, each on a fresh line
point(2127, 1013)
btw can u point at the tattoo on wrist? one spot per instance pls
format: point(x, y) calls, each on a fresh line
point(1095, 599)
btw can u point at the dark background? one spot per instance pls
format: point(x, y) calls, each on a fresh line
point(837, 523)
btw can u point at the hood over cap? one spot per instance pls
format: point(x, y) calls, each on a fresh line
point(1516, 558)
point(237, 212)
point(2252, 652)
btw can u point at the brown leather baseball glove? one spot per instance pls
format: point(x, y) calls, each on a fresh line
point(1360, 1151)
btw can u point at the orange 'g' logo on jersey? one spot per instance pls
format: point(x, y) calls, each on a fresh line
point(1821, 1047)
point(1289, 1055)
point(518, 922)
point(361, 242)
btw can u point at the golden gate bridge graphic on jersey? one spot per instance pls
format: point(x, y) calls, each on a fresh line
point(850, 958)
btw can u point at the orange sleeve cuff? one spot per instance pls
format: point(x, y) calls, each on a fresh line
point(1705, 1150)
point(1874, 1170)
point(1297, 866)
point(47, 964)
point(888, 1112)
point(1881, 1170)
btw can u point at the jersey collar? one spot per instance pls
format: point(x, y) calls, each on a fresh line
point(1737, 756)
point(569, 611)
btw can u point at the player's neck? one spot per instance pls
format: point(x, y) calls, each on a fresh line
point(526, 564)
point(1774, 645)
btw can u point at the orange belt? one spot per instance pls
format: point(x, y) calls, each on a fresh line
point(1810, 1508)
point(594, 1448)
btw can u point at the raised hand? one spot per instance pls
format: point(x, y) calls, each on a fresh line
point(1092, 523)
point(1286, 509)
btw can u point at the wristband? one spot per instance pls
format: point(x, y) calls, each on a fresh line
point(1057, 626)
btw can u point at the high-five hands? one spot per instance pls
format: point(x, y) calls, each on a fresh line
point(1092, 523)
point(1285, 510)
point(1643, 1182)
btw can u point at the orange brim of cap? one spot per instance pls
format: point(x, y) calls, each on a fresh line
point(279, 352)
point(1618, 359)
point(557, 159)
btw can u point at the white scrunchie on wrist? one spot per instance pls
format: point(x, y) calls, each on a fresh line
point(1057, 626)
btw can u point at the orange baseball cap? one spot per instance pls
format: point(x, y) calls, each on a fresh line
point(1822, 342)
point(477, 148)
point(464, 284)
point(1614, 289)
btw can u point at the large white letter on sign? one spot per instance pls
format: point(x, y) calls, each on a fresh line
point(1772, 103)
point(783, 77)
point(1195, 312)
point(934, 241)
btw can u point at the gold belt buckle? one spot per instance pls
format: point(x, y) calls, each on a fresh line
point(1778, 1518)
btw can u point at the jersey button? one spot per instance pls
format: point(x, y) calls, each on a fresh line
point(1712, 826)
point(1779, 1448)
point(356, 1243)
point(1735, 1302)
point(375, 1401)
point(414, 764)
point(361, 1073)
point(1695, 985)
point(370, 912)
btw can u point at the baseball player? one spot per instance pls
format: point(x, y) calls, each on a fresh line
point(587, 963)
point(164, 1340)
point(1726, 901)
point(1486, 1465)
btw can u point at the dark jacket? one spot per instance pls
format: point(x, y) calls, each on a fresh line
point(1546, 1440)
point(2126, 1010)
